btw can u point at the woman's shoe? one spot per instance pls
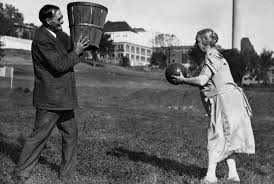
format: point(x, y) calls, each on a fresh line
point(234, 179)
point(206, 181)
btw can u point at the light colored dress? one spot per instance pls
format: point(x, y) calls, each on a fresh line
point(230, 129)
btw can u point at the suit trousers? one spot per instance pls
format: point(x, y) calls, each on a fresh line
point(34, 144)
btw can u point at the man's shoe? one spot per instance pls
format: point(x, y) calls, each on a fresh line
point(19, 179)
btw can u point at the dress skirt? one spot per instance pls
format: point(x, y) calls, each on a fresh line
point(230, 130)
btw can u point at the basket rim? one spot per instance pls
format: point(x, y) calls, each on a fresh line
point(83, 3)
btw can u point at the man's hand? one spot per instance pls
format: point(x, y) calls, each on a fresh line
point(81, 45)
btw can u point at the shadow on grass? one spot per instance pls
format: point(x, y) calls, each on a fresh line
point(162, 163)
point(12, 148)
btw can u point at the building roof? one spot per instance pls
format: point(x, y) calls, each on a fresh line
point(130, 43)
point(178, 48)
point(26, 26)
point(139, 29)
point(117, 26)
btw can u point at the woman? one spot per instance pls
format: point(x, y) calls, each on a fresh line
point(230, 130)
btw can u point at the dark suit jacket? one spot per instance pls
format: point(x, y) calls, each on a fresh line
point(54, 86)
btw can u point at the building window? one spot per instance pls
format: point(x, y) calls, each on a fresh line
point(132, 57)
point(148, 52)
point(143, 51)
point(148, 59)
point(132, 49)
point(173, 60)
point(127, 48)
point(137, 50)
point(127, 55)
point(184, 58)
point(143, 58)
point(138, 58)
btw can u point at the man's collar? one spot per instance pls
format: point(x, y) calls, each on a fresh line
point(51, 32)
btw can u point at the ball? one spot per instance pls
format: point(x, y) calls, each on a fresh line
point(174, 69)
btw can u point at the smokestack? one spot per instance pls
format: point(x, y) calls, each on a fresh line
point(236, 25)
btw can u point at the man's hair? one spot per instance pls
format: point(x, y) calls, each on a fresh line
point(47, 11)
point(208, 37)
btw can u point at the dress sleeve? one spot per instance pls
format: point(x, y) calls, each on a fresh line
point(215, 61)
point(206, 71)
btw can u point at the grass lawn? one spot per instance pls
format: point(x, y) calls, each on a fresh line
point(134, 128)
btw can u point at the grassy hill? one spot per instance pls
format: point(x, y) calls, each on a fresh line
point(134, 128)
point(16, 57)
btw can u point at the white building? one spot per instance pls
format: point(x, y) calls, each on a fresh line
point(136, 44)
point(15, 43)
point(270, 74)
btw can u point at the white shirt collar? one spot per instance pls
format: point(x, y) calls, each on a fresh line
point(51, 32)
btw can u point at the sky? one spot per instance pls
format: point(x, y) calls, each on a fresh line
point(180, 17)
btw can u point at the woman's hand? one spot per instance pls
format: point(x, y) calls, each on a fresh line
point(180, 78)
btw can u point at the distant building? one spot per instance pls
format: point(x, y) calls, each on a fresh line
point(138, 55)
point(11, 42)
point(270, 74)
point(138, 30)
point(134, 43)
point(176, 54)
point(25, 31)
point(246, 45)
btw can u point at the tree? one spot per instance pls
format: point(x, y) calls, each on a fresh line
point(125, 61)
point(106, 45)
point(265, 61)
point(250, 61)
point(9, 15)
point(6, 24)
point(197, 57)
point(166, 42)
point(158, 59)
point(236, 63)
point(3, 21)
point(13, 14)
point(1, 50)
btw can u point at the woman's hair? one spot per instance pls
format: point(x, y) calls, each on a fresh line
point(47, 11)
point(208, 37)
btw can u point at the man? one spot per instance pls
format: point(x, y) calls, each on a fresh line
point(54, 95)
